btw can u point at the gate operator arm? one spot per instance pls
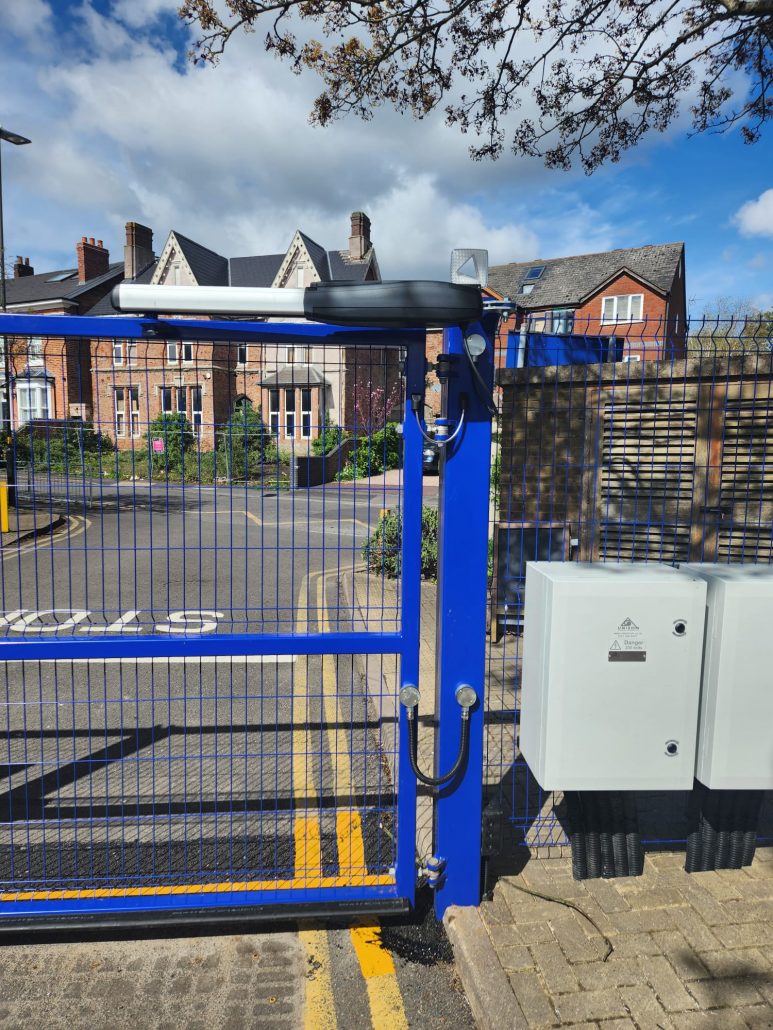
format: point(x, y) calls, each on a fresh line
point(409, 699)
point(399, 304)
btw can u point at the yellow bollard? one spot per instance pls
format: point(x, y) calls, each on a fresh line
point(3, 507)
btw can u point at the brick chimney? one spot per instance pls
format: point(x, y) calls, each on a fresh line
point(93, 259)
point(359, 240)
point(22, 268)
point(138, 251)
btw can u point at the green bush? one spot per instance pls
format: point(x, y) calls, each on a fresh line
point(202, 467)
point(383, 550)
point(330, 437)
point(496, 474)
point(374, 454)
point(69, 447)
point(177, 434)
point(245, 444)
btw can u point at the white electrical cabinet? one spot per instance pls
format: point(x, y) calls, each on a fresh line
point(735, 727)
point(611, 675)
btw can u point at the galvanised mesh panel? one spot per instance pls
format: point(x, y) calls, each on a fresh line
point(634, 441)
point(172, 496)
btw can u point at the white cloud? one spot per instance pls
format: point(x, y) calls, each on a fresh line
point(755, 217)
point(139, 13)
point(124, 129)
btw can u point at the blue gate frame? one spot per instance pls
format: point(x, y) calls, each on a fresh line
point(461, 637)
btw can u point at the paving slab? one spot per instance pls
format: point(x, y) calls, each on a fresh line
point(668, 969)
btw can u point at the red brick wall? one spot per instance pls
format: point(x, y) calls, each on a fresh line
point(639, 335)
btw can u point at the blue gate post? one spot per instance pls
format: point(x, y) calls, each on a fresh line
point(461, 615)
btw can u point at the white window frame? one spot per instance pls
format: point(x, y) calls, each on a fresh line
point(117, 353)
point(131, 353)
point(171, 351)
point(134, 413)
point(119, 412)
point(36, 358)
point(622, 312)
point(27, 389)
point(187, 348)
point(290, 413)
point(197, 414)
point(274, 414)
point(164, 409)
point(307, 414)
point(181, 395)
point(562, 321)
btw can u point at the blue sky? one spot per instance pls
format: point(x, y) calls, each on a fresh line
point(124, 128)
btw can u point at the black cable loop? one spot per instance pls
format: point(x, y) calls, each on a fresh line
point(413, 741)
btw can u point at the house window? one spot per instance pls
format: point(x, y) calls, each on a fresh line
point(134, 409)
point(181, 405)
point(241, 354)
point(171, 351)
point(306, 413)
point(166, 399)
point(627, 308)
point(562, 321)
point(196, 409)
point(131, 352)
point(290, 413)
point(118, 352)
point(297, 356)
point(33, 400)
point(273, 411)
point(120, 413)
point(187, 352)
point(35, 353)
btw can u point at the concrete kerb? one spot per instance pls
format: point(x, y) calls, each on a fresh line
point(39, 528)
point(485, 982)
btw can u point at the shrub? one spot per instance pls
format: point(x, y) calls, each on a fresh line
point(61, 447)
point(496, 474)
point(374, 454)
point(330, 437)
point(244, 445)
point(177, 434)
point(383, 550)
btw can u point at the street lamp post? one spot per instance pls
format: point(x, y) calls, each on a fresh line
point(17, 140)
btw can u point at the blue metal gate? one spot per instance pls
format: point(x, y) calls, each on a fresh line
point(198, 717)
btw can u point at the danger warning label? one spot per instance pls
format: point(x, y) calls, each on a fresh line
point(628, 643)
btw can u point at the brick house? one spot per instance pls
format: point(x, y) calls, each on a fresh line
point(297, 388)
point(634, 296)
point(51, 376)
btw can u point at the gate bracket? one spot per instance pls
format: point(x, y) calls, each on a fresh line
point(434, 870)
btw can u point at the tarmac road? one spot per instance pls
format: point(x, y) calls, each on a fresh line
point(187, 772)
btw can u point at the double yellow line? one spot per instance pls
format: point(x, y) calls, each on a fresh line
point(376, 964)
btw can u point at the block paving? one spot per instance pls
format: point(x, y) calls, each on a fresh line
point(691, 951)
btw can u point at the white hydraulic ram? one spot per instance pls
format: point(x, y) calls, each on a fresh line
point(396, 304)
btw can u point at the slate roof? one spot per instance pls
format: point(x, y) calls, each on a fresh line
point(105, 305)
point(255, 271)
point(331, 265)
point(30, 289)
point(295, 375)
point(568, 281)
point(209, 268)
